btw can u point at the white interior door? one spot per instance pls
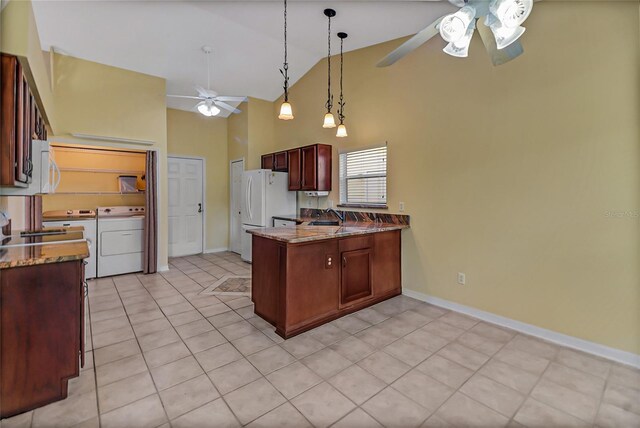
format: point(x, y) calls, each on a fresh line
point(235, 219)
point(186, 206)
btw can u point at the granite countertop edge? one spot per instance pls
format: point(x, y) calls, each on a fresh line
point(15, 256)
point(319, 233)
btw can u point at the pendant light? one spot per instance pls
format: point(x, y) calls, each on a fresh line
point(342, 130)
point(286, 112)
point(329, 120)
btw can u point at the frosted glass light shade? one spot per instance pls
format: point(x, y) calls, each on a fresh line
point(511, 13)
point(286, 113)
point(329, 121)
point(505, 36)
point(460, 48)
point(453, 27)
point(342, 131)
point(208, 109)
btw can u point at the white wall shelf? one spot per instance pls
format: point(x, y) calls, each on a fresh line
point(105, 171)
point(99, 193)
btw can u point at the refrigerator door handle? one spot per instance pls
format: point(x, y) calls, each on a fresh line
point(249, 183)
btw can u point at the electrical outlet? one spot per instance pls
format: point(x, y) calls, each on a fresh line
point(401, 207)
point(461, 278)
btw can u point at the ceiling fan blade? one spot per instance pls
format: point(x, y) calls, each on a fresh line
point(205, 93)
point(413, 43)
point(498, 56)
point(231, 99)
point(185, 96)
point(227, 107)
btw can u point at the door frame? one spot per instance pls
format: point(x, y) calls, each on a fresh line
point(204, 195)
point(231, 162)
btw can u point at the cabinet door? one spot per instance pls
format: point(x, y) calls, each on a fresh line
point(22, 128)
point(309, 164)
point(267, 161)
point(280, 162)
point(8, 110)
point(355, 278)
point(294, 169)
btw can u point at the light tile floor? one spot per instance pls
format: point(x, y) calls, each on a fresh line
point(161, 354)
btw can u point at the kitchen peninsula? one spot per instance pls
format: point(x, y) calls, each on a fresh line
point(307, 275)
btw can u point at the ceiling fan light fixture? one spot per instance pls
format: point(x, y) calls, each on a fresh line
point(208, 109)
point(511, 13)
point(505, 36)
point(329, 121)
point(342, 131)
point(286, 113)
point(460, 48)
point(454, 27)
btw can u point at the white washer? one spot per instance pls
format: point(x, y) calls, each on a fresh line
point(120, 240)
point(73, 218)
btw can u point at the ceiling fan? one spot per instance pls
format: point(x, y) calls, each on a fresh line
point(210, 102)
point(500, 31)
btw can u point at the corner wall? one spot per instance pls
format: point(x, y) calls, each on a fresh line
point(192, 134)
point(526, 176)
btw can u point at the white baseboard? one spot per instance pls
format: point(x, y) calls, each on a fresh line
point(215, 250)
point(607, 352)
point(163, 268)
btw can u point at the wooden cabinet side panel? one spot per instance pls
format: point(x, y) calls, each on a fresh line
point(309, 172)
point(386, 266)
point(40, 334)
point(324, 167)
point(266, 278)
point(312, 286)
point(294, 162)
point(266, 161)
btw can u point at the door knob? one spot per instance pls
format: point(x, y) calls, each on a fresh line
point(200, 208)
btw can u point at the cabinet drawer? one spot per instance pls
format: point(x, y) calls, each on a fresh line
point(356, 243)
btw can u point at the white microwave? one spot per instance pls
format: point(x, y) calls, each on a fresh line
point(46, 174)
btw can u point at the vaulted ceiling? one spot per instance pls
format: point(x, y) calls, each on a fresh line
point(164, 38)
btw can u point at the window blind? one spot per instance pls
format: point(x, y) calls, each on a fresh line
point(363, 176)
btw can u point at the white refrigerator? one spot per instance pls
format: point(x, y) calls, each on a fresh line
point(264, 194)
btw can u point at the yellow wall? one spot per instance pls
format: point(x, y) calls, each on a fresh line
point(261, 128)
point(192, 134)
point(238, 134)
point(19, 36)
point(509, 172)
point(100, 100)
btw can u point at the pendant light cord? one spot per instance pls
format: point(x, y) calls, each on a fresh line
point(341, 102)
point(329, 104)
point(285, 67)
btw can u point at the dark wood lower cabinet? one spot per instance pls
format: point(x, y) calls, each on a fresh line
point(299, 286)
point(42, 314)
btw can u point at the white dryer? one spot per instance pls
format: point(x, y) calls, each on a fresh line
point(120, 240)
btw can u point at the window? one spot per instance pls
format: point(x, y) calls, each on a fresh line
point(363, 177)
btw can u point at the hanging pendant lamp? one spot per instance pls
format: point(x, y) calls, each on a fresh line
point(329, 120)
point(286, 112)
point(342, 130)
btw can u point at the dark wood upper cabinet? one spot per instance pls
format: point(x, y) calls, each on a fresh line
point(266, 161)
point(310, 168)
point(295, 169)
point(20, 122)
point(280, 162)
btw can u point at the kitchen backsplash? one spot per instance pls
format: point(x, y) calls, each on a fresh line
point(360, 216)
